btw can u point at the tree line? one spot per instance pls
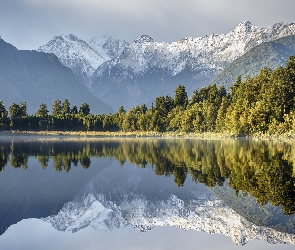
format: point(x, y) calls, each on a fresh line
point(262, 104)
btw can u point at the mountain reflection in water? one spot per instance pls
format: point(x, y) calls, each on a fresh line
point(248, 190)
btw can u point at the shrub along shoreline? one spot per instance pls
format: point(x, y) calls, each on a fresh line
point(286, 137)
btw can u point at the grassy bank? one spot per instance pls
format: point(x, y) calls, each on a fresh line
point(119, 134)
point(163, 135)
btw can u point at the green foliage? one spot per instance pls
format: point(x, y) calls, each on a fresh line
point(221, 114)
point(163, 106)
point(84, 109)
point(66, 109)
point(15, 111)
point(23, 109)
point(4, 120)
point(181, 98)
point(56, 108)
point(42, 111)
point(18, 115)
point(262, 103)
point(74, 110)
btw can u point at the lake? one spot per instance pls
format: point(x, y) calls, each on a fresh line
point(83, 193)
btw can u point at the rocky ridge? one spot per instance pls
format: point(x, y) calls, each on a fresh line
point(198, 54)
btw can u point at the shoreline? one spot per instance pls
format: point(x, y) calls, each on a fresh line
point(118, 134)
point(152, 135)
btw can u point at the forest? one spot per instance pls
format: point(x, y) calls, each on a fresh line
point(261, 104)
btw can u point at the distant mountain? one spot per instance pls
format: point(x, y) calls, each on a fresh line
point(35, 77)
point(269, 54)
point(131, 74)
point(83, 58)
point(147, 69)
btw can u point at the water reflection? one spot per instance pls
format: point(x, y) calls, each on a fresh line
point(129, 198)
point(254, 183)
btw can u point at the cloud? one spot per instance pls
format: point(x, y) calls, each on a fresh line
point(31, 23)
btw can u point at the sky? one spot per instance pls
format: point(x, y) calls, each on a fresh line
point(28, 24)
point(36, 234)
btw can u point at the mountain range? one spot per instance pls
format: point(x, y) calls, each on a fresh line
point(35, 77)
point(126, 74)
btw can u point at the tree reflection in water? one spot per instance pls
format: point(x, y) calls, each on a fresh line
point(262, 169)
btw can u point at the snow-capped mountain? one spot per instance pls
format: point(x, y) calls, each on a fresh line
point(199, 54)
point(147, 69)
point(130, 74)
point(75, 54)
point(201, 214)
point(83, 58)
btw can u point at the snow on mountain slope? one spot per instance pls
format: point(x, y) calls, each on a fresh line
point(213, 52)
point(130, 74)
point(201, 214)
point(74, 53)
point(107, 47)
point(83, 58)
point(207, 52)
point(150, 68)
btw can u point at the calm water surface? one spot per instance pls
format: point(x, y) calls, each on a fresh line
point(62, 193)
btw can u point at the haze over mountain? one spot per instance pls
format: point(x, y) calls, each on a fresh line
point(138, 72)
point(35, 77)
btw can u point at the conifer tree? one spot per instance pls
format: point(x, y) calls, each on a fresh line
point(14, 111)
point(66, 109)
point(4, 121)
point(74, 110)
point(56, 108)
point(220, 120)
point(181, 98)
point(84, 109)
point(42, 111)
point(23, 109)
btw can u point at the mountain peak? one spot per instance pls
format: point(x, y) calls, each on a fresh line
point(281, 26)
point(69, 37)
point(72, 37)
point(245, 26)
point(144, 39)
point(245, 23)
